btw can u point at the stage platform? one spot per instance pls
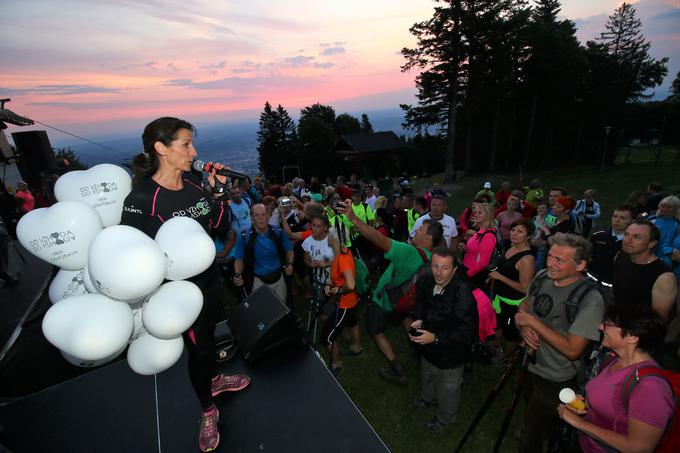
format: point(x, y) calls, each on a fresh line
point(17, 301)
point(292, 405)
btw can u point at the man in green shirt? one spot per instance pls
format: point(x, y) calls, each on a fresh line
point(408, 261)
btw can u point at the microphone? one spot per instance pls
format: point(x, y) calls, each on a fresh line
point(199, 165)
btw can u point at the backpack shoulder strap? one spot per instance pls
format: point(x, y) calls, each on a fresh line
point(633, 379)
point(576, 296)
point(540, 277)
point(423, 256)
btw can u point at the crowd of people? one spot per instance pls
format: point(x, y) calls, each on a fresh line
point(519, 267)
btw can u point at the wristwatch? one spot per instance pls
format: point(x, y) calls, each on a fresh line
point(436, 339)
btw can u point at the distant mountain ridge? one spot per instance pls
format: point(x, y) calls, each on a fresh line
point(233, 143)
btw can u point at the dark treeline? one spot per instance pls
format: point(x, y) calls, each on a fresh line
point(308, 145)
point(502, 84)
point(505, 84)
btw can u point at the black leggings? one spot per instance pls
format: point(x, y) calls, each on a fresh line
point(340, 318)
point(200, 338)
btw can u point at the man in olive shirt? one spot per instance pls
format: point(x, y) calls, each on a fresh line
point(556, 341)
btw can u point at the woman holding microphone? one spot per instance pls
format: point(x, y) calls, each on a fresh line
point(163, 188)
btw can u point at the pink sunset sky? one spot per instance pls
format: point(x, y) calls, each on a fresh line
point(94, 67)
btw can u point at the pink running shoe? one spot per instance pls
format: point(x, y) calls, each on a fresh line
point(223, 383)
point(209, 433)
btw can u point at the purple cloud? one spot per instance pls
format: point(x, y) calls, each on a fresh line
point(333, 51)
point(297, 62)
point(58, 90)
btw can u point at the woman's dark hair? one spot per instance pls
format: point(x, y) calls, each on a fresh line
point(637, 320)
point(526, 223)
point(162, 130)
point(386, 217)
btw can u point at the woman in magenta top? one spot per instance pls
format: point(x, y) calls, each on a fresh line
point(478, 252)
point(479, 248)
point(630, 331)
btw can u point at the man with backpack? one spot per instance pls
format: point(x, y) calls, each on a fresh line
point(395, 290)
point(557, 321)
point(262, 254)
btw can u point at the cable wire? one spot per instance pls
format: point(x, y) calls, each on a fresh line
point(83, 139)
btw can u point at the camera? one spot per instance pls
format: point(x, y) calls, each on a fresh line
point(335, 204)
point(414, 332)
point(285, 202)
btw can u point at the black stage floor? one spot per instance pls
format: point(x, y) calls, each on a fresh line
point(292, 405)
point(16, 300)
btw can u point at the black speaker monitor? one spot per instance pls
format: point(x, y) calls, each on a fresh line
point(36, 155)
point(263, 323)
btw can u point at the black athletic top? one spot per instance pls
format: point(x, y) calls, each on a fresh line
point(605, 248)
point(507, 268)
point(633, 283)
point(563, 227)
point(149, 205)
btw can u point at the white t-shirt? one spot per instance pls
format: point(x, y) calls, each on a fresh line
point(448, 225)
point(319, 251)
point(371, 201)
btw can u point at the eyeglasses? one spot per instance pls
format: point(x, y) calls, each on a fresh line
point(608, 323)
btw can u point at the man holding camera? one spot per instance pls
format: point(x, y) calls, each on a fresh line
point(444, 330)
point(261, 254)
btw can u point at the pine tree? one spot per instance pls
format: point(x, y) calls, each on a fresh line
point(276, 139)
point(366, 126)
point(457, 51)
point(554, 73)
point(637, 71)
point(675, 90)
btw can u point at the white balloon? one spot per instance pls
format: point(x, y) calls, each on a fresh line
point(104, 187)
point(67, 284)
point(125, 263)
point(89, 327)
point(150, 355)
point(137, 313)
point(73, 360)
point(60, 234)
point(189, 250)
point(87, 281)
point(172, 309)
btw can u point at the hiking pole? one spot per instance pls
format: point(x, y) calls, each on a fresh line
point(513, 403)
point(507, 372)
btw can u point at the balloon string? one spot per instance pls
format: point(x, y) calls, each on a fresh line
point(158, 421)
